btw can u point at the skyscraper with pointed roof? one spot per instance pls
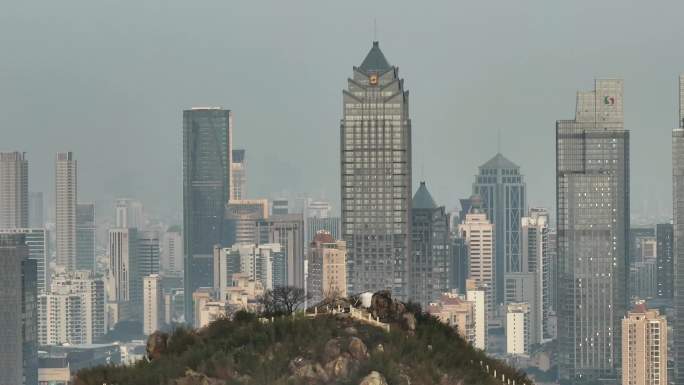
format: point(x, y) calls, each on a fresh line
point(375, 156)
point(430, 257)
point(502, 189)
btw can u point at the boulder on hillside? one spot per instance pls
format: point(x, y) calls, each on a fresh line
point(358, 349)
point(373, 378)
point(156, 345)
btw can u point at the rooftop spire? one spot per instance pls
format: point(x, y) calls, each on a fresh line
point(375, 60)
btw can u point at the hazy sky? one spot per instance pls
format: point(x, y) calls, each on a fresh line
point(109, 80)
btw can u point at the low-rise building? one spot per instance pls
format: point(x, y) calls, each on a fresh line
point(455, 311)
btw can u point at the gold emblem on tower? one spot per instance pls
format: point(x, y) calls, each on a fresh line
point(373, 80)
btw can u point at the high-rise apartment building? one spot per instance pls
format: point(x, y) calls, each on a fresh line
point(36, 207)
point(678, 235)
point(14, 199)
point(477, 295)
point(665, 260)
point(238, 176)
point(85, 236)
point(73, 310)
point(517, 328)
point(501, 188)
point(375, 151)
point(644, 347)
point(241, 218)
point(123, 268)
point(18, 318)
point(327, 260)
point(171, 258)
point(288, 231)
point(207, 153)
point(153, 309)
point(478, 234)
point(592, 192)
point(65, 209)
point(37, 241)
point(265, 263)
point(147, 262)
point(430, 256)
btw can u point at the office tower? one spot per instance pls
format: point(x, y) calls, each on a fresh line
point(327, 260)
point(37, 242)
point(14, 203)
point(147, 263)
point(36, 213)
point(552, 247)
point(517, 328)
point(375, 134)
point(238, 176)
point(264, 263)
point(592, 192)
point(171, 259)
point(72, 311)
point(17, 318)
point(317, 209)
point(85, 236)
point(535, 263)
point(316, 224)
point(122, 250)
point(280, 207)
point(477, 295)
point(501, 189)
point(478, 234)
point(678, 235)
point(430, 242)
point(288, 231)
point(644, 347)
point(665, 260)
point(129, 213)
point(458, 263)
point(643, 279)
point(241, 218)
point(153, 311)
point(636, 235)
point(207, 149)
point(456, 312)
point(65, 214)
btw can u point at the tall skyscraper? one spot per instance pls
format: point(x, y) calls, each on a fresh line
point(153, 311)
point(85, 236)
point(147, 263)
point(288, 231)
point(678, 228)
point(36, 207)
point(123, 268)
point(38, 246)
point(502, 190)
point(14, 204)
point(18, 318)
point(518, 328)
point(207, 150)
point(644, 347)
point(130, 213)
point(171, 258)
point(592, 192)
point(375, 151)
point(65, 204)
point(238, 176)
point(430, 256)
point(241, 218)
point(665, 260)
point(477, 294)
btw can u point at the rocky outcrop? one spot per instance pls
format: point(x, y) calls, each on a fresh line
point(392, 311)
point(156, 345)
point(374, 378)
point(193, 378)
point(306, 371)
point(357, 349)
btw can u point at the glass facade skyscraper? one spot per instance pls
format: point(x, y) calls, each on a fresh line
point(207, 150)
point(502, 190)
point(592, 203)
point(678, 228)
point(85, 236)
point(375, 152)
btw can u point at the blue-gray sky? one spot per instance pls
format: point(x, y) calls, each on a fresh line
point(109, 79)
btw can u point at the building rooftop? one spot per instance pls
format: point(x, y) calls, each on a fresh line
point(499, 161)
point(375, 61)
point(422, 199)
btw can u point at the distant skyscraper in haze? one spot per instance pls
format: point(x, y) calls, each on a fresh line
point(502, 190)
point(592, 190)
point(65, 205)
point(241, 218)
point(129, 213)
point(147, 263)
point(665, 260)
point(288, 231)
point(535, 260)
point(280, 207)
point(430, 256)
point(85, 236)
point(171, 257)
point(37, 242)
point(478, 235)
point(207, 149)
point(122, 250)
point(14, 203)
point(238, 176)
point(678, 228)
point(153, 311)
point(376, 189)
point(36, 213)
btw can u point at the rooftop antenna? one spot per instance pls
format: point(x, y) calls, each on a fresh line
point(375, 29)
point(498, 140)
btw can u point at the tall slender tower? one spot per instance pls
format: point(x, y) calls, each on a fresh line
point(592, 203)
point(65, 204)
point(14, 207)
point(375, 155)
point(207, 153)
point(678, 224)
point(503, 191)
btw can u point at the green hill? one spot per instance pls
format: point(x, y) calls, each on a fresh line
point(326, 349)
